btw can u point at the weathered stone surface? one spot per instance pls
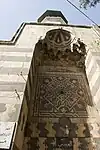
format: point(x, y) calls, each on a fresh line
point(15, 61)
point(63, 115)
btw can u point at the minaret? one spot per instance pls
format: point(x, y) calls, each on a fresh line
point(52, 17)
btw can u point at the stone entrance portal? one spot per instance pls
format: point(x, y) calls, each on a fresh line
point(62, 115)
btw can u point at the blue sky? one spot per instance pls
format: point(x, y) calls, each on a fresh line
point(14, 12)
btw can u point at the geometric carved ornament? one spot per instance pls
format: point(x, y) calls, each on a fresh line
point(57, 46)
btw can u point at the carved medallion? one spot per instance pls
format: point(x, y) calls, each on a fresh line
point(58, 38)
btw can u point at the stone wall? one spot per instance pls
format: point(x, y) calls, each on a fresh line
point(14, 68)
point(89, 37)
point(15, 63)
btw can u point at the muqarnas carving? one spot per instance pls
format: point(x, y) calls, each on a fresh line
point(58, 46)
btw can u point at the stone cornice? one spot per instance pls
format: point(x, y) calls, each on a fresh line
point(20, 29)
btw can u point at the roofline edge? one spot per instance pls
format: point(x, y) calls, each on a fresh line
point(21, 27)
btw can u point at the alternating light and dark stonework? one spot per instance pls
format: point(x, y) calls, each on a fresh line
point(49, 78)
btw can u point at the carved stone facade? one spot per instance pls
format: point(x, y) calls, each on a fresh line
point(46, 86)
point(62, 102)
point(58, 48)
